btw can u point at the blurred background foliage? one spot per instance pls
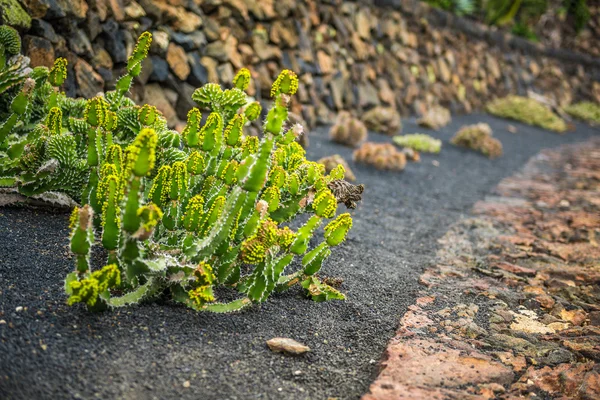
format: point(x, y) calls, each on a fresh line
point(523, 17)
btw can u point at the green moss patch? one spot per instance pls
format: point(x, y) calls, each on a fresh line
point(14, 15)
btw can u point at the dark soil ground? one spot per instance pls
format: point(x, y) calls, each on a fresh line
point(164, 351)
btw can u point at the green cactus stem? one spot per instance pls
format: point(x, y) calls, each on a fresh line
point(82, 236)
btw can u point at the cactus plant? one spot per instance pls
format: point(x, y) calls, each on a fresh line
point(176, 213)
point(479, 138)
point(348, 130)
point(435, 118)
point(380, 155)
point(419, 142)
point(185, 213)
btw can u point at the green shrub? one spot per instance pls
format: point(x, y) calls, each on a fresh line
point(419, 142)
point(528, 111)
point(586, 111)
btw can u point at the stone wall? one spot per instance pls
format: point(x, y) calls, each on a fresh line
point(349, 55)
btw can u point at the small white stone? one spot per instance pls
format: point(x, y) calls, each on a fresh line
point(19, 309)
point(186, 384)
point(435, 163)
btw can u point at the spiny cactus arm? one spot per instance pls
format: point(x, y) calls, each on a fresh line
point(194, 214)
point(109, 193)
point(56, 77)
point(90, 192)
point(82, 236)
point(211, 133)
point(241, 80)
point(320, 291)
point(8, 181)
point(228, 267)
point(150, 216)
point(177, 189)
point(147, 115)
point(286, 83)
point(58, 72)
point(272, 196)
point(54, 121)
point(151, 288)
point(325, 204)
point(18, 108)
point(234, 130)
point(220, 230)
point(227, 173)
point(181, 296)
point(337, 230)
point(216, 207)
point(313, 260)
point(222, 308)
point(277, 116)
point(253, 176)
point(141, 157)
point(253, 111)
point(304, 234)
point(265, 276)
point(134, 67)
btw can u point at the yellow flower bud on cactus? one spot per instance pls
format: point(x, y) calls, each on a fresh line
point(204, 274)
point(195, 163)
point(147, 114)
point(58, 72)
point(234, 131)
point(54, 121)
point(142, 153)
point(201, 295)
point(253, 251)
point(242, 79)
point(286, 82)
point(253, 111)
point(325, 204)
point(95, 111)
point(336, 230)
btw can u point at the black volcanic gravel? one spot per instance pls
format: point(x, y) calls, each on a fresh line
point(51, 351)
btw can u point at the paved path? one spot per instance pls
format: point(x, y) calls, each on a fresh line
point(50, 351)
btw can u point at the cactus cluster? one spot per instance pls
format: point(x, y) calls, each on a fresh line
point(419, 142)
point(37, 154)
point(435, 118)
point(348, 130)
point(383, 156)
point(186, 213)
point(479, 138)
point(178, 213)
point(528, 111)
